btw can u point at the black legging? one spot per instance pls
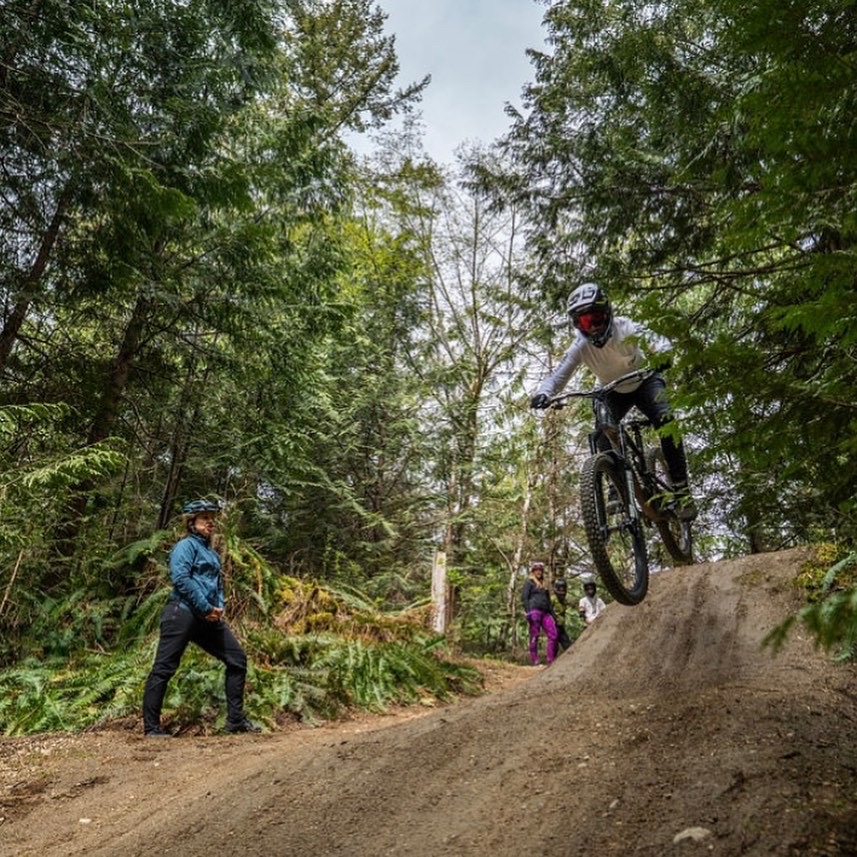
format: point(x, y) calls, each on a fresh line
point(651, 399)
point(179, 627)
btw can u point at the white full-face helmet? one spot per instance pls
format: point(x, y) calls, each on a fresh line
point(589, 312)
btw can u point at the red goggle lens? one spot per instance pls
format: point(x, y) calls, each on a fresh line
point(589, 321)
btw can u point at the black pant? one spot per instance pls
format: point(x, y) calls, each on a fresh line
point(562, 637)
point(178, 628)
point(651, 399)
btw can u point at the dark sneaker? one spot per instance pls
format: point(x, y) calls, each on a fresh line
point(687, 511)
point(244, 725)
point(157, 732)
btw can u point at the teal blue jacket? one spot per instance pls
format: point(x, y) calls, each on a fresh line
point(195, 572)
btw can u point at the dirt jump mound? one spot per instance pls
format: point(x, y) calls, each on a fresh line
point(665, 729)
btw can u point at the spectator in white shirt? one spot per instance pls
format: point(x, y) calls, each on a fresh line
point(590, 606)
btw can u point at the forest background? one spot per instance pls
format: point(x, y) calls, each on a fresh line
point(206, 293)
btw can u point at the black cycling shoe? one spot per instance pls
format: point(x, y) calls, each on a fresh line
point(686, 509)
point(244, 725)
point(683, 504)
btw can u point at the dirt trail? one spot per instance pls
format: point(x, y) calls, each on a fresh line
point(666, 729)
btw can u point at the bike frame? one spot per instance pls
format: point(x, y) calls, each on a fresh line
point(626, 444)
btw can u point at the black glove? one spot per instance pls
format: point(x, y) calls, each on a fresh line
point(540, 401)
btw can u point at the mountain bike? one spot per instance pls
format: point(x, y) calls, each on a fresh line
point(623, 490)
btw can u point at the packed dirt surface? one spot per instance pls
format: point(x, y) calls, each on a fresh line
point(666, 729)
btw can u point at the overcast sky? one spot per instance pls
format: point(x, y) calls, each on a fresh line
point(474, 51)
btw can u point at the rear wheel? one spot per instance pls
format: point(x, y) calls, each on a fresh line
point(675, 533)
point(615, 536)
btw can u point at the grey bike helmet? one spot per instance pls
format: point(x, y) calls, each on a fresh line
point(589, 312)
point(197, 507)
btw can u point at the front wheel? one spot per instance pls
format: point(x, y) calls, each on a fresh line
point(675, 533)
point(615, 535)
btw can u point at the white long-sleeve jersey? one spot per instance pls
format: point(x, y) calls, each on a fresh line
point(591, 607)
point(622, 353)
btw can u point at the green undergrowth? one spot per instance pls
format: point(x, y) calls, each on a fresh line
point(314, 653)
point(309, 678)
point(828, 583)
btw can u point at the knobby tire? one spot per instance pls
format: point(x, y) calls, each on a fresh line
point(675, 533)
point(616, 540)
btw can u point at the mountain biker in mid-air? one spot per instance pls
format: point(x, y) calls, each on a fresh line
point(611, 346)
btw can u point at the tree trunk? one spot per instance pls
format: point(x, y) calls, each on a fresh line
point(187, 416)
point(439, 594)
point(105, 417)
point(108, 410)
point(30, 286)
point(508, 633)
point(178, 447)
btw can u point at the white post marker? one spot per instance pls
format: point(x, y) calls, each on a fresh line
point(439, 593)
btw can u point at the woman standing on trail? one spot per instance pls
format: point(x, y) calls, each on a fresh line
point(194, 614)
point(539, 613)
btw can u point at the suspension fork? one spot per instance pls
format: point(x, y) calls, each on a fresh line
point(615, 433)
point(618, 440)
point(646, 478)
point(628, 470)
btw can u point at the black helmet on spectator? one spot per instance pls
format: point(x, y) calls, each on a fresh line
point(589, 312)
point(560, 585)
point(589, 587)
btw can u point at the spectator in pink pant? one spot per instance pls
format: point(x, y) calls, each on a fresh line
point(539, 613)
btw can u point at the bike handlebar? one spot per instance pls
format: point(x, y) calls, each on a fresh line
point(559, 401)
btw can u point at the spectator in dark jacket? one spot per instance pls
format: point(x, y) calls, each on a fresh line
point(539, 613)
point(560, 611)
